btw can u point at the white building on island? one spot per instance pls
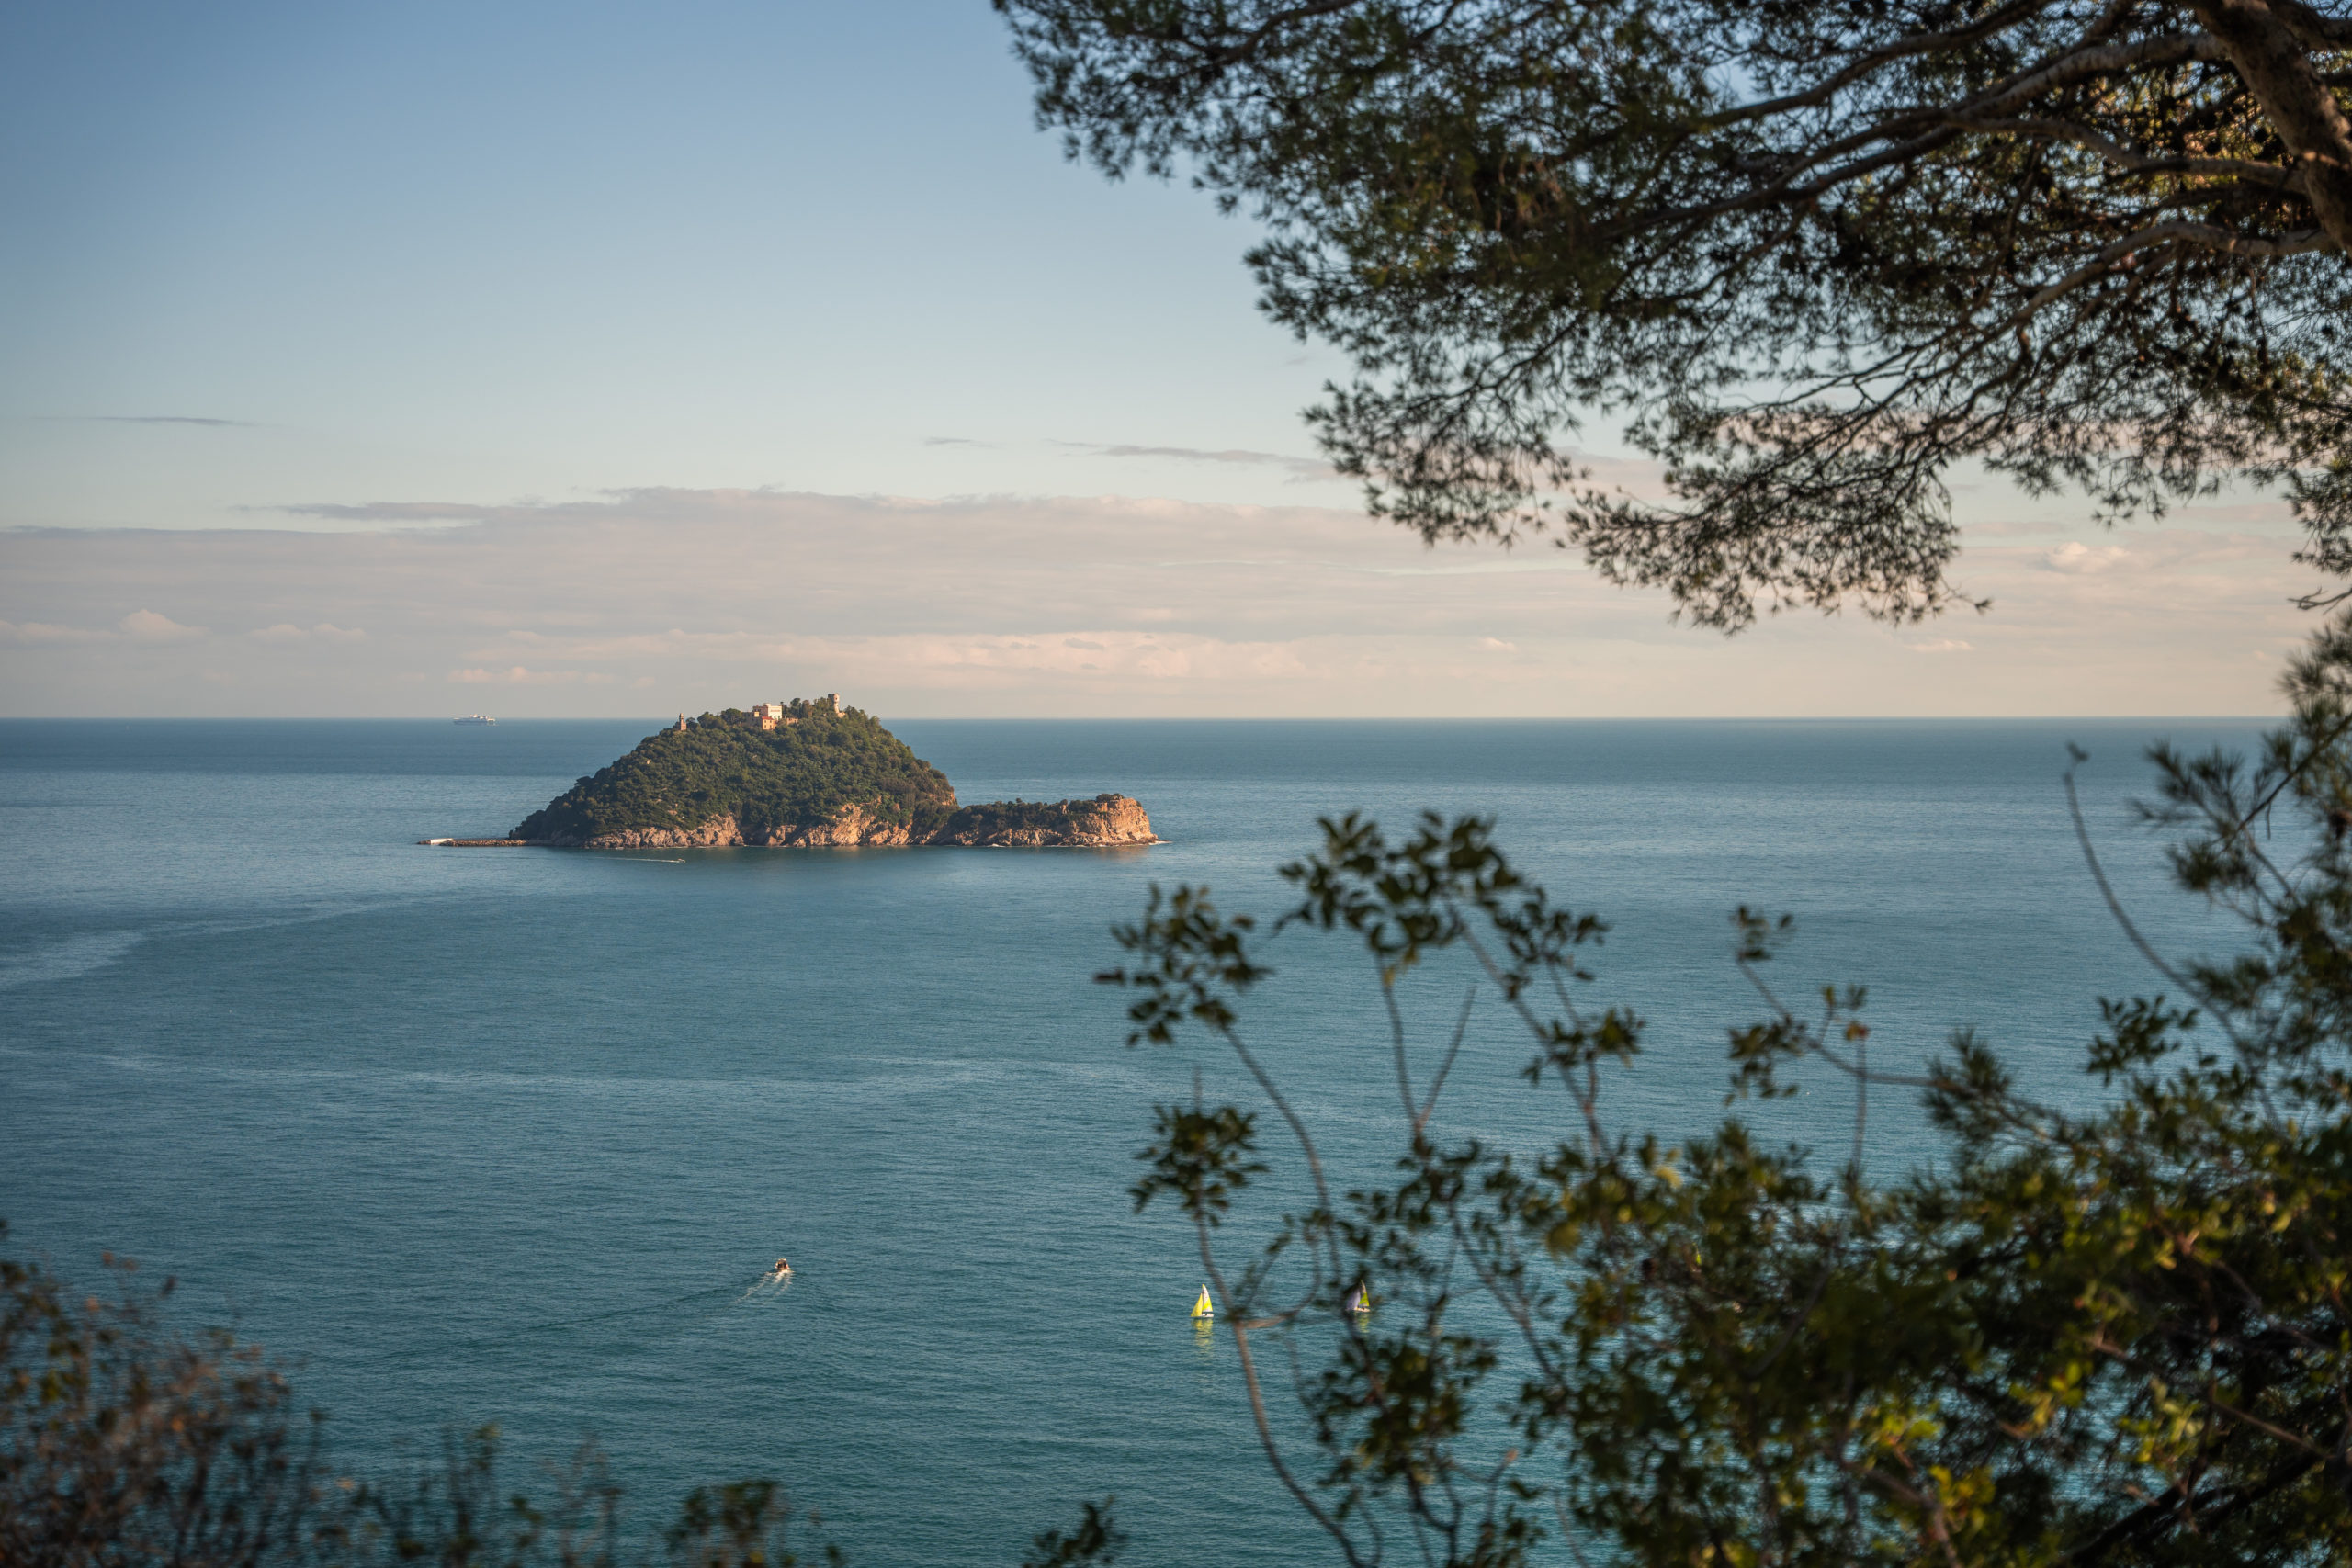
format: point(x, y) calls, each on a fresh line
point(771, 715)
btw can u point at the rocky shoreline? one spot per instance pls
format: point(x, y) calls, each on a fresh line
point(1105, 821)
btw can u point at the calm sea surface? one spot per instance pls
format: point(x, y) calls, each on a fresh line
point(505, 1136)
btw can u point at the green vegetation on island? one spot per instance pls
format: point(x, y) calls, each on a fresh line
point(801, 775)
point(814, 765)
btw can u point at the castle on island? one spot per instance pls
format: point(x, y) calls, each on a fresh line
point(772, 716)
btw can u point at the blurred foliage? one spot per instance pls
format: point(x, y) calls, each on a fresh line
point(798, 774)
point(124, 1444)
point(1096, 1538)
point(2117, 1335)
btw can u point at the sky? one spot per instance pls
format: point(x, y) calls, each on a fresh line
point(625, 359)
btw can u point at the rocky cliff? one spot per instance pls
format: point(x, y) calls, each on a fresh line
point(845, 826)
point(824, 780)
point(1097, 823)
point(1100, 823)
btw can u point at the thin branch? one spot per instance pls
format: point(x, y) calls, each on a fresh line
point(2313, 30)
point(1460, 1029)
point(2107, 891)
point(1397, 1040)
point(2083, 136)
point(1258, 1411)
point(1901, 49)
point(1297, 1127)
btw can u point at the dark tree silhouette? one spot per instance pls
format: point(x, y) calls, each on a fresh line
point(1814, 251)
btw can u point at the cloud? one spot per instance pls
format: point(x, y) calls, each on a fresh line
point(647, 504)
point(643, 601)
point(146, 625)
point(41, 631)
point(287, 631)
point(1300, 468)
point(151, 419)
point(980, 664)
point(953, 441)
point(394, 511)
point(139, 625)
point(518, 676)
point(2076, 557)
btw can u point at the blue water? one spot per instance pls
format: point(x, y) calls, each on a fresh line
point(505, 1136)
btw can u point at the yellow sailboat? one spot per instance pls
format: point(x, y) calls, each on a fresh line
point(1359, 1300)
point(1202, 1310)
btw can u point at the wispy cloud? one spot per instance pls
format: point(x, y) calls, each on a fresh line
point(516, 675)
point(643, 503)
point(953, 441)
point(391, 511)
point(146, 625)
point(28, 633)
point(1297, 467)
point(149, 419)
point(325, 631)
point(2075, 557)
point(139, 625)
point(651, 601)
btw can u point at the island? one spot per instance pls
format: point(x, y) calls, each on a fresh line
point(803, 775)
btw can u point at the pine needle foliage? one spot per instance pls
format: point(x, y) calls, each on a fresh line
point(1808, 255)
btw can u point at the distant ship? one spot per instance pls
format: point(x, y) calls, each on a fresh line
point(475, 718)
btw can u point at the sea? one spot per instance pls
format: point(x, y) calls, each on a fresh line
point(509, 1135)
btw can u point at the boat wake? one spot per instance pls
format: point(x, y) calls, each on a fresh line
point(693, 1306)
point(774, 1283)
point(640, 1310)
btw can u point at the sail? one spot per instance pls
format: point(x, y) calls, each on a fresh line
point(1201, 1307)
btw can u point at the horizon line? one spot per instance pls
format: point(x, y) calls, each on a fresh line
point(1182, 718)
